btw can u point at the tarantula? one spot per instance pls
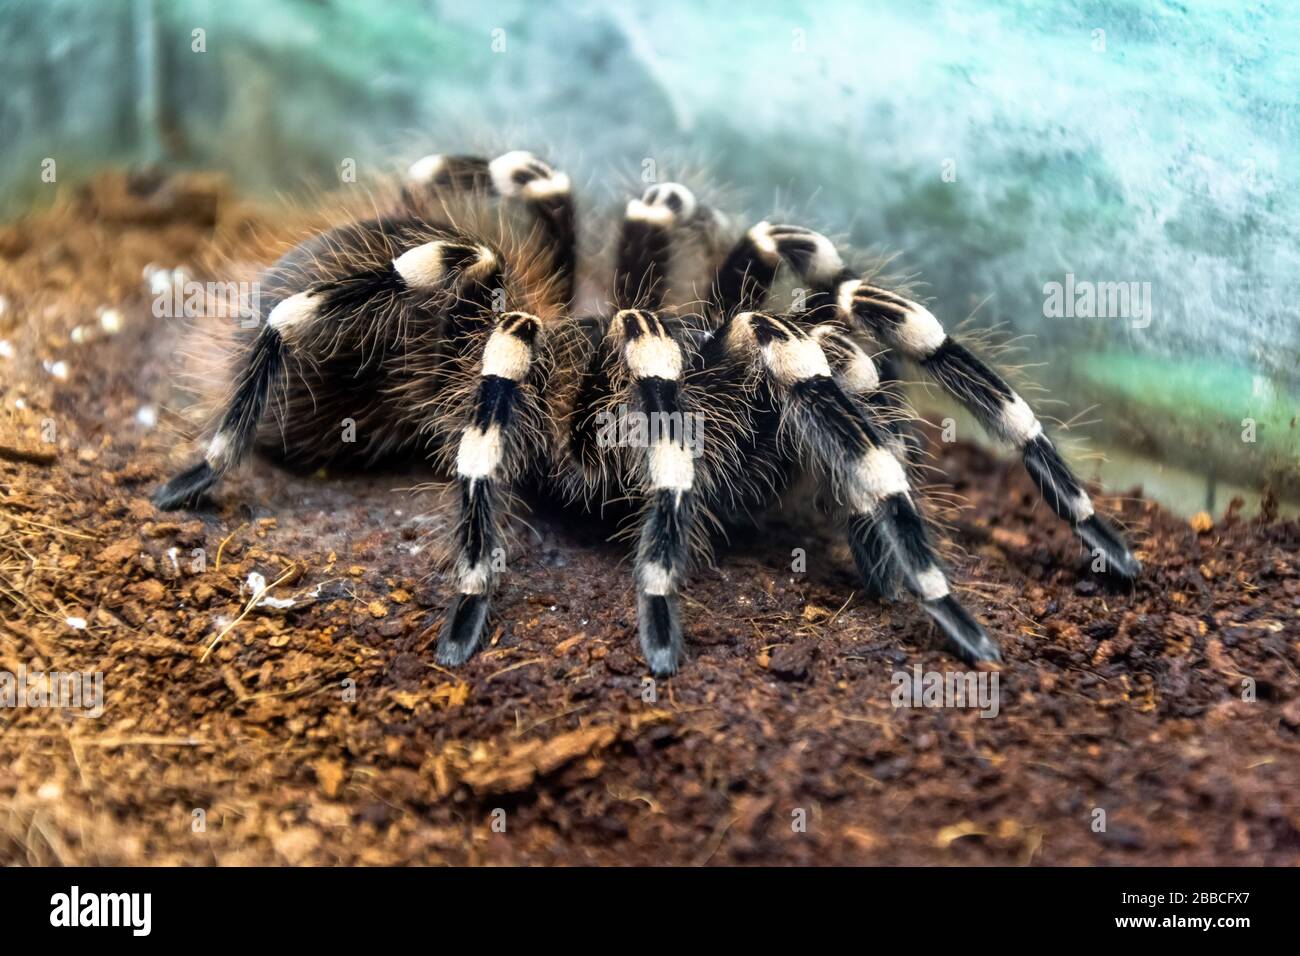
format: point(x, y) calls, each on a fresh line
point(461, 329)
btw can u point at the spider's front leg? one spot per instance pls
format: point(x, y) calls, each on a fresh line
point(853, 454)
point(652, 359)
point(645, 351)
point(913, 331)
point(489, 455)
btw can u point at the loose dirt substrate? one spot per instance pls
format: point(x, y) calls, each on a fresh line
point(323, 733)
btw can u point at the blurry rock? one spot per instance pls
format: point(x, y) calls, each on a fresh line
point(793, 661)
point(151, 196)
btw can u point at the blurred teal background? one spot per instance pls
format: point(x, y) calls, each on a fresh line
point(999, 146)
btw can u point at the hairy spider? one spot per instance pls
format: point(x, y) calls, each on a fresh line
point(461, 329)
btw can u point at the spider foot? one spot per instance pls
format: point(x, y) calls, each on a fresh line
point(1117, 561)
point(965, 636)
point(661, 633)
point(462, 629)
point(185, 490)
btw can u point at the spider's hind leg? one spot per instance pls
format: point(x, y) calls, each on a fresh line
point(361, 301)
point(262, 367)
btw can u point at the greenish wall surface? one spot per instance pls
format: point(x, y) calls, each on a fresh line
point(999, 146)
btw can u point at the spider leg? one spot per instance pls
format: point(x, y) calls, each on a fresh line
point(295, 322)
point(913, 331)
point(893, 408)
point(518, 175)
point(645, 244)
point(858, 377)
point(640, 280)
point(653, 359)
point(853, 453)
point(742, 283)
point(482, 466)
point(745, 276)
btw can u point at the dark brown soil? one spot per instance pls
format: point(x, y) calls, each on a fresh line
point(1129, 702)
